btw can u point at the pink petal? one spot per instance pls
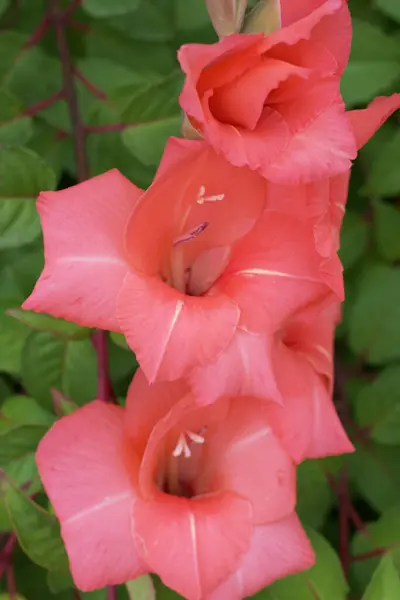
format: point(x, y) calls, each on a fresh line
point(326, 22)
point(366, 122)
point(241, 102)
point(307, 423)
point(245, 457)
point(82, 464)
point(85, 263)
point(216, 64)
point(275, 271)
point(243, 368)
point(170, 332)
point(194, 544)
point(277, 550)
point(325, 148)
point(146, 404)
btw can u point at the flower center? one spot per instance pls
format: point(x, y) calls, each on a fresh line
point(178, 478)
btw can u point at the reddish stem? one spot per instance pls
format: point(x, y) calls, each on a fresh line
point(89, 85)
point(39, 32)
point(58, 19)
point(35, 108)
point(107, 128)
point(376, 552)
point(104, 388)
point(344, 522)
point(11, 587)
point(111, 593)
point(6, 554)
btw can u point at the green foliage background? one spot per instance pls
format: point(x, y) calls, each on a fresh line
point(128, 80)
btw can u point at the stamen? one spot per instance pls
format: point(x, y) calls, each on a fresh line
point(190, 235)
point(201, 198)
point(182, 446)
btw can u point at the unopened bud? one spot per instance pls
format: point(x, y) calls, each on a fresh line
point(265, 18)
point(226, 15)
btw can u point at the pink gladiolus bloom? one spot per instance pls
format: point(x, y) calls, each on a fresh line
point(203, 497)
point(184, 269)
point(273, 103)
point(323, 202)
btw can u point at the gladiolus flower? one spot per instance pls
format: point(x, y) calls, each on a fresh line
point(203, 497)
point(323, 202)
point(180, 271)
point(273, 103)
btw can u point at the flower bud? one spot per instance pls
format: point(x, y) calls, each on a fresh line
point(265, 18)
point(226, 15)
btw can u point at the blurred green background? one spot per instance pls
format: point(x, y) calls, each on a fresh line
point(127, 81)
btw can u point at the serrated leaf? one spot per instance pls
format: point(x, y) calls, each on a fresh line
point(381, 536)
point(22, 176)
point(378, 407)
point(374, 470)
point(353, 239)
point(50, 362)
point(385, 584)
point(58, 327)
point(141, 588)
point(314, 496)
point(18, 441)
point(105, 8)
point(374, 316)
point(38, 531)
point(11, 43)
point(17, 132)
point(387, 230)
point(147, 141)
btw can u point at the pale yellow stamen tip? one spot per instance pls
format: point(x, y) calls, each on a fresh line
point(182, 446)
point(201, 198)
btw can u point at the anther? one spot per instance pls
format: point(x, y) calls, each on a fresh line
point(201, 198)
point(182, 446)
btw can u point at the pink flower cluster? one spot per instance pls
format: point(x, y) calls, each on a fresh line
point(225, 280)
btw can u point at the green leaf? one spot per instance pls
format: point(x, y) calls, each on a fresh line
point(390, 8)
point(378, 407)
point(325, 580)
point(141, 588)
point(22, 176)
point(374, 316)
point(374, 65)
point(50, 362)
point(4, 4)
point(18, 441)
point(105, 8)
point(38, 532)
point(11, 43)
point(150, 22)
point(119, 339)
point(22, 410)
point(58, 327)
point(314, 495)
point(383, 178)
point(191, 15)
point(14, 597)
point(387, 230)
point(374, 470)
point(156, 100)
point(12, 339)
point(353, 239)
point(147, 142)
point(382, 535)
point(385, 584)
point(58, 581)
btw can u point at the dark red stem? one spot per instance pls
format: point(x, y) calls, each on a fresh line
point(107, 128)
point(111, 593)
point(11, 587)
point(6, 554)
point(89, 85)
point(371, 554)
point(344, 522)
point(35, 108)
point(69, 90)
point(39, 32)
point(104, 388)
